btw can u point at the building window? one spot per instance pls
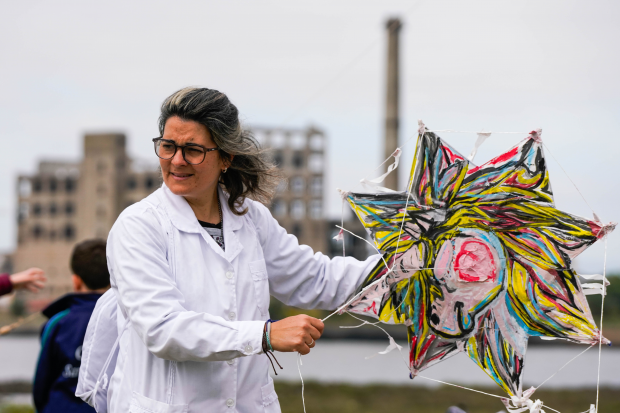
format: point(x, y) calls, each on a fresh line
point(22, 212)
point(316, 187)
point(316, 209)
point(70, 185)
point(297, 141)
point(52, 235)
point(37, 231)
point(24, 187)
point(279, 208)
point(278, 159)
point(53, 185)
point(37, 185)
point(101, 189)
point(282, 186)
point(149, 183)
point(316, 143)
point(36, 210)
point(53, 209)
point(69, 232)
point(69, 208)
point(100, 212)
point(315, 162)
point(297, 184)
point(277, 139)
point(298, 160)
point(297, 230)
point(131, 183)
point(101, 166)
point(298, 209)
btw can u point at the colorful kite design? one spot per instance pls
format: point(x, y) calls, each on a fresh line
point(478, 259)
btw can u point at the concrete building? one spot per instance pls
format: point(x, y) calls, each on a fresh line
point(67, 202)
point(298, 204)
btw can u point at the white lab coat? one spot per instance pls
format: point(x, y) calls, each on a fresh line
point(197, 312)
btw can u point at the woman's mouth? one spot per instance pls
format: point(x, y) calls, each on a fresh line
point(179, 176)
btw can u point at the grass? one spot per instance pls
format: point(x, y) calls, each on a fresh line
point(341, 398)
point(16, 408)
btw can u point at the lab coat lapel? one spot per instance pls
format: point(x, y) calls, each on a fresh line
point(183, 218)
point(232, 224)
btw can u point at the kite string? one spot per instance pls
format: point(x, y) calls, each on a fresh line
point(328, 85)
point(600, 341)
point(463, 131)
point(356, 296)
point(440, 381)
point(566, 364)
point(571, 181)
point(299, 363)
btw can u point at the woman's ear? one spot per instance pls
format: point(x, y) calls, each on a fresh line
point(227, 161)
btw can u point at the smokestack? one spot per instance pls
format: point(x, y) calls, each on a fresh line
point(391, 103)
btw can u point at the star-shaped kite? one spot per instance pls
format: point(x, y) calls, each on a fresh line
point(478, 259)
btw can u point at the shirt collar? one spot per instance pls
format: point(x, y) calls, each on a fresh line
point(184, 219)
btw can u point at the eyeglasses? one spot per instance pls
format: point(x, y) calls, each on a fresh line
point(193, 153)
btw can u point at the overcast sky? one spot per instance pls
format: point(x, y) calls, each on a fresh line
point(73, 66)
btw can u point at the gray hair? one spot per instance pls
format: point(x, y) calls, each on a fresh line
point(251, 173)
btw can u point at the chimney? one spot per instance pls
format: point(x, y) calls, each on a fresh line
point(391, 104)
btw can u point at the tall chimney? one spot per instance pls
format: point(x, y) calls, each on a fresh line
point(391, 104)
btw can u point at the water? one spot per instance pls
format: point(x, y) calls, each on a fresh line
point(18, 357)
point(345, 361)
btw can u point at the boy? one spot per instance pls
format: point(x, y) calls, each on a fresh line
point(62, 336)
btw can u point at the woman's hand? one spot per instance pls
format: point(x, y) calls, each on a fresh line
point(33, 279)
point(298, 333)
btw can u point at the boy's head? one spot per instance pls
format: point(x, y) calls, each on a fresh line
point(89, 266)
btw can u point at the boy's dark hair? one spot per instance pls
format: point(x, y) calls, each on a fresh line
point(88, 261)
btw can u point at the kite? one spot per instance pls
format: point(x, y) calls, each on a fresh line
point(476, 259)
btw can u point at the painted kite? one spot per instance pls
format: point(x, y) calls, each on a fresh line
point(478, 259)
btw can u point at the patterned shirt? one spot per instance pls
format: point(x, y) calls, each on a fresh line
point(215, 230)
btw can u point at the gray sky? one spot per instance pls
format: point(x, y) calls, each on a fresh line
point(74, 66)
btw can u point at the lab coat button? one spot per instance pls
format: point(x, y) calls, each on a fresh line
point(230, 362)
point(231, 315)
point(248, 348)
point(229, 274)
point(230, 402)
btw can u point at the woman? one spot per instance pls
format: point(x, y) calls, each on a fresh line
point(193, 266)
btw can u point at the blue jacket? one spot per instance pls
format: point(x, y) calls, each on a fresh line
point(61, 352)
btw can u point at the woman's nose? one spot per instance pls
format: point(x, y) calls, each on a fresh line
point(177, 159)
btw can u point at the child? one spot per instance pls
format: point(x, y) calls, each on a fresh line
point(62, 336)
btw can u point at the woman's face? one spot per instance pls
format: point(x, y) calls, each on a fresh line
point(182, 178)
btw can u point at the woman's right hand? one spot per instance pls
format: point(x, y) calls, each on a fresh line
point(298, 333)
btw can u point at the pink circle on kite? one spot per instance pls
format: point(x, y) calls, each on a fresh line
point(474, 262)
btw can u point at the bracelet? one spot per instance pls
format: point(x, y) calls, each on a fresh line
point(268, 333)
point(267, 348)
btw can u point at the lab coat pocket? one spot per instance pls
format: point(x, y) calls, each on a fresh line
point(270, 398)
point(261, 285)
point(142, 404)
